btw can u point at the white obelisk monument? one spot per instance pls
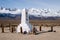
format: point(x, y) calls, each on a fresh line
point(26, 26)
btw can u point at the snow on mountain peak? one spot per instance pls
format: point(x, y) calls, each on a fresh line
point(33, 11)
point(6, 10)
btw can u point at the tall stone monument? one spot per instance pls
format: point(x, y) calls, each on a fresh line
point(25, 25)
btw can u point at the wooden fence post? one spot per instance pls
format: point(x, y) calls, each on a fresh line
point(21, 29)
point(2, 27)
point(34, 30)
point(40, 28)
point(12, 29)
point(51, 28)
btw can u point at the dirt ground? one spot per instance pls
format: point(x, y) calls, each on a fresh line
point(43, 35)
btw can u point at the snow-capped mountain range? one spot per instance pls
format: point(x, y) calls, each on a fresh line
point(44, 13)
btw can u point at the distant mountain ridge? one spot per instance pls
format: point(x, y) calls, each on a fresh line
point(35, 14)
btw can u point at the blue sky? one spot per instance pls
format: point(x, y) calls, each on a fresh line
point(30, 4)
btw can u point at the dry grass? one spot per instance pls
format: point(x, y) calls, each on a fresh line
point(33, 22)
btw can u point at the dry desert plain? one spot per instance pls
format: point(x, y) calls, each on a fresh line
point(43, 35)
